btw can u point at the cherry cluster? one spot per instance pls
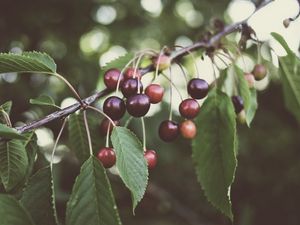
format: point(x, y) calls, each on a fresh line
point(137, 103)
point(189, 108)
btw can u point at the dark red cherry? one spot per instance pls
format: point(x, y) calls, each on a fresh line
point(131, 73)
point(151, 158)
point(138, 105)
point(114, 107)
point(107, 157)
point(168, 130)
point(259, 71)
point(130, 87)
point(111, 78)
point(189, 108)
point(104, 126)
point(198, 88)
point(238, 103)
point(155, 93)
point(188, 129)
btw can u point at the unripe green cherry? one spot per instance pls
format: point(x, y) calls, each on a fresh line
point(249, 77)
point(241, 117)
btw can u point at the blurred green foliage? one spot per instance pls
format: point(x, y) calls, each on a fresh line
point(266, 190)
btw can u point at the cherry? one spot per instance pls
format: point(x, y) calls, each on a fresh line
point(168, 130)
point(238, 103)
point(107, 157)
point(189, 108)
point(130, 87)
point(162, 62)
point(241, 117)
point(155, 93)
point(250, 79)
point(111, 78)
point(138, 105)
point(188, 129)
point(259, 71)
point(129, 73)
point(104, 126)
point(151, 158)
point(198, 88)
point(114, 107)
point(286, 22)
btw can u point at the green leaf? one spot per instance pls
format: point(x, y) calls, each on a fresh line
point(92, 201)
point(38, 198)
point(13, 163)
point(252, 108)
point(78, 138)
point(43, 100)
point(26, 62)
point(222, 78)
point(229, 82)
point(283, 43)
point(130, 162)
point(31, 150)
point(5, 108)
point(290, 75)
point(12, 212)
point(214, 150)
point(10, 133)
point(118, 63)
point(244, 89)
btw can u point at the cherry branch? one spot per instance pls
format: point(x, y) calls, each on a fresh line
point(175, 55)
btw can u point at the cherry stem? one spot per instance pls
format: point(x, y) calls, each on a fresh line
point(56, 142)
point(238, 53)
point(167, 78)
point(158, 61)
point(64, 80)
point(122, 71)
point(227, 56)
point(135, 70)
point(170, 113)
point(107, 136)
point(6, 117)
point(102, 113)
point(144, 134)
point(128, 121)
point(193, 58)
point(222, 60)
point(137, 64)
point(183, 72)
point(88, 132)
point(149, 51)
point(70, 86)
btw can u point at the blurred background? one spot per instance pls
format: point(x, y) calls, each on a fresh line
point(82, 36)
